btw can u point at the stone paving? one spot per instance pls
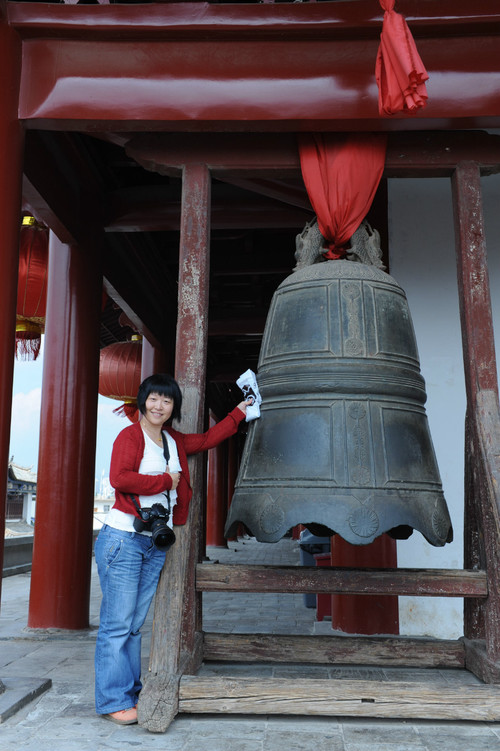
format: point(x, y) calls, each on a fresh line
point(63, 717)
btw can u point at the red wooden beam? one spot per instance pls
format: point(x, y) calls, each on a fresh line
point(260, 67)
point(192, 19)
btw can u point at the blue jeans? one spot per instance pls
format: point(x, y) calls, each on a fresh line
point(129, 566)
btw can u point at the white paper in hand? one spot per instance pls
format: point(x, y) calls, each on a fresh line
point(247, 382)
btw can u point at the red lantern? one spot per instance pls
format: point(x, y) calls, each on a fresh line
point(31, 288)
point(120, 375)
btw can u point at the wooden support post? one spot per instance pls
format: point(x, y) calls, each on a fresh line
point(68, 421)
point(177, 640)
point(473, 282)
point(11, 161)
point(482, 519)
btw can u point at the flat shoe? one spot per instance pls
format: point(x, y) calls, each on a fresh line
point(123, 716)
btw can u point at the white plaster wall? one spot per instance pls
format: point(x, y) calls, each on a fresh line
point(422, 260)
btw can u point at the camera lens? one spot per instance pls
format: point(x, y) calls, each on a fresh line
point(163, 537)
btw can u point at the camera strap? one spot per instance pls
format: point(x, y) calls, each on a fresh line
point(166, 454)
point(137, 507)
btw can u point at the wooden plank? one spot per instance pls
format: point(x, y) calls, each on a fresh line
point(335, 650)
point(394, 699)
point(294, 579)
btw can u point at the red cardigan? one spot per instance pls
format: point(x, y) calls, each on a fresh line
point(128, 450)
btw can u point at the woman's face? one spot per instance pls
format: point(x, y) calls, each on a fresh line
point(158, 409)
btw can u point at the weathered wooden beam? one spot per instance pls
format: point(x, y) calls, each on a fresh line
point(252, 326)
point(62, 187)
point(334, 650)
point(275, 155)
point(473, 281)
point(479, 661)
point(177, 643)
point(292, 195)
point(348, 698)
point(482, 520)
point(154, 209)
point(484, 466)
point(414, 582)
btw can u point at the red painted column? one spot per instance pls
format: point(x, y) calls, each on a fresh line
point(60, 579)
point(216, 494)
point(11, 151)
point(365, 614)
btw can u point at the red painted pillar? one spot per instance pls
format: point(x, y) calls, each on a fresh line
point(365, 614)
point(11, 151)
point(216, 494)
point(60, 579)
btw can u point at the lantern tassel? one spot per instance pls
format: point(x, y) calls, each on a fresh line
point(128, 409)
point(28, 340)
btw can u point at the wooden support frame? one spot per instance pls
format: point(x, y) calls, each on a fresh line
point(370, 581)
point(482, 520)
point(335, 650)
point(170, 688)
point(334, 698)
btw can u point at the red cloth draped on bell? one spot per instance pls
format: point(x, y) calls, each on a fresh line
point(399, 70)
point(341, 175)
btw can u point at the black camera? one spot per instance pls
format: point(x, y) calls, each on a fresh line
point(155, 520)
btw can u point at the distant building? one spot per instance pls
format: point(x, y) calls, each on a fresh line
point(21, 493)
point(104, 499)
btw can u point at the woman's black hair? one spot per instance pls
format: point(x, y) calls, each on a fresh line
point(164, 385)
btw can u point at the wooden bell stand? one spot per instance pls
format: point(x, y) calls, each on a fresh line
point(179, 646)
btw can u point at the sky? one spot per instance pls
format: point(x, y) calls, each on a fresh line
point(25, 422)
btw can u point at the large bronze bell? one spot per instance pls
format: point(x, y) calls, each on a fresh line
point(343, 444)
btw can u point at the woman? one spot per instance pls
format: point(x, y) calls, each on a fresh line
point(128, 561)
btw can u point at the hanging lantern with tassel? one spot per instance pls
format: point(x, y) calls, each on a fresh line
point(31, 288)
point(120, 375)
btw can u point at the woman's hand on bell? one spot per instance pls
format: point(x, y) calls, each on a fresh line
point(176, 476)
point(247, 403)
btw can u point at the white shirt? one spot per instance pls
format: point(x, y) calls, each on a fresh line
point(152, 463)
